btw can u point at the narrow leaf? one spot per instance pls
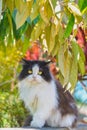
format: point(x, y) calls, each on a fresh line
point(81, 53)
point(38, 28)
point(73, 75)
point(34, 11)
point(81, 66)
point(69, 27)
point(61, 59)
point(54, 2)
point(0, 9)
point(46, 12)
point(9, 4)
point(81, 62)
point(78, 57)
point(52, 37)
point(47, 34)
point(21, 30)
point(75, 51)
point(56, 47)
point(73, 7)
point(82, 4)
point(67, 66)
point(23, 12)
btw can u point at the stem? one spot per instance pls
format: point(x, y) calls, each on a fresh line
point(83, 85)
point(8, 81)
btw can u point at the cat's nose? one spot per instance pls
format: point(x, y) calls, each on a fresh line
point(34, 77)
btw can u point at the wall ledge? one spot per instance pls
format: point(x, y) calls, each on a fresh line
point(80, 127)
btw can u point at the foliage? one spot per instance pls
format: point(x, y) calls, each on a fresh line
point(12, 113)
point(55, 25)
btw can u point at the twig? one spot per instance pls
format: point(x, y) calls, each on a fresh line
point(83, 85)
point(8, 81)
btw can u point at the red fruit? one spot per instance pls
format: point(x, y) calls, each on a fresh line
point(34, 57)
point(33, 53)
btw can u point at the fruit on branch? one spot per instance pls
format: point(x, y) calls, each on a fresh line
point(33, 53)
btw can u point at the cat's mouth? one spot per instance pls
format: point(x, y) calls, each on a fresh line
point(34, 80)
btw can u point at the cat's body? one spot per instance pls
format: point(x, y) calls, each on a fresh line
point(44, 97)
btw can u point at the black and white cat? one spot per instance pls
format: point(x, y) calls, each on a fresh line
point(48, 103)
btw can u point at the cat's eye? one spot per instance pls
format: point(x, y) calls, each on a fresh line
point(30, 71)
point(40, 72)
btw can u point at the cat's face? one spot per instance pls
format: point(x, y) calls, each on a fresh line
point(35, 72)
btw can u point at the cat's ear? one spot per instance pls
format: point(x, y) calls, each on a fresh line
point(24, 62)
point(47, 62)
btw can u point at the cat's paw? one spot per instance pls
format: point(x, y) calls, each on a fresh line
point(37, 123)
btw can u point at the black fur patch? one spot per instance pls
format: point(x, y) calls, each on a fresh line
point(66, 101)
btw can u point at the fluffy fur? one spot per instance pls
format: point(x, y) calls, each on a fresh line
point(45, 98)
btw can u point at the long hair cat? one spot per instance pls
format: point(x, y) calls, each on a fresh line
point(48, 102)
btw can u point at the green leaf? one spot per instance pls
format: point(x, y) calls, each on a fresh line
point(81, 53)
point(52, 37)
point(74, 67)
point(56, 47)
point(73, 75)
point(69, 27)
point(46, 11)
point(24, 9)
point(65, 62)
point(81, 61)
point(84, 12)
point(75, 51)
point(9, 4)
point(21, 30)
point(10, 24)
point(47, 34)
point(81, 66)
point(58, 39)
point(0, 9)
point(37, 30)
point(67, 66)
point(60, 33)
point(54, 2)
point(79, 57)
point(6, 28)
point(35, 11)
point(26, 44)
point(61, 59)
point(82, 4)
point(73, 7)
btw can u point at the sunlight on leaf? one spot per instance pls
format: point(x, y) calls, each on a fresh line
point(34, 11)
point(74, 8)
point(46, 11)
point(37, 30)
point(24, 9)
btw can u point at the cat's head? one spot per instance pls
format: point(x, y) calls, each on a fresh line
point(35, 71)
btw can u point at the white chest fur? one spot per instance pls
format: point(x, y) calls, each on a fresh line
point(38, 96)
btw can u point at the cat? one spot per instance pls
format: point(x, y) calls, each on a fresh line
point(48, 102)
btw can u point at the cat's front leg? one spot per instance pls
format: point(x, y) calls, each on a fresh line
point(38, 120)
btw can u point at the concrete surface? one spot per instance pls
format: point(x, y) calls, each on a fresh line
point(80, 127)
